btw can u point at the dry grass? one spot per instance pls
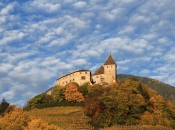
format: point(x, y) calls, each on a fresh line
point(72, 118)
point(137, 127)
point(67, 118)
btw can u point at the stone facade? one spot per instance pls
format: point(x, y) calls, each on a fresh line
point(105, 74)
point(78, 76)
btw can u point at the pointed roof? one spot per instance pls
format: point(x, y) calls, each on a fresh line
point(99, 71)
point(109, 61)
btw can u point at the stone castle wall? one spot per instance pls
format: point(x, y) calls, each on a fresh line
point(79, 76)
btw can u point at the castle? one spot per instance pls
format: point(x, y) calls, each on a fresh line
point(105, 74)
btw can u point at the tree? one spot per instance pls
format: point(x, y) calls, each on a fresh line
point(3, 106)
point(128, 102)
point(16, 119)
point(58, 93)
point(72, 94)
point(84, 88)
point(33, 102)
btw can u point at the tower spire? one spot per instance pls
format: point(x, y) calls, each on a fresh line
point(109, 60)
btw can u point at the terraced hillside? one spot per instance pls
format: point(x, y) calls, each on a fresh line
point(72, 118)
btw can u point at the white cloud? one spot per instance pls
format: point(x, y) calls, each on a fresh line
point(7, 9)
point(46, 7)
point(12, 36)
point(107, 16)
point(144, 72)
point(2, 19)
point(59, 30)
point(40, 39)
point(122, 68)
point(78, 62)
point(19, 56)
point(123, 62)
point(128, 29)
point(5, 67)
point(163, 40)
point(170, 56)
point(128, 1)
point(80, 4)
point(9, 95)
point(90, 53)
point(150, 36)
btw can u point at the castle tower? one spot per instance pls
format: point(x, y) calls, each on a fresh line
point(106, 73)
point(110, 68)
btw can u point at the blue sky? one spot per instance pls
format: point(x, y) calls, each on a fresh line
point(41, 39)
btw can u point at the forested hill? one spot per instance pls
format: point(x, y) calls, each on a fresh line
point(166, 90)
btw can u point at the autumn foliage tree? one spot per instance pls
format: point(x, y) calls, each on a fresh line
point(72, 93)
point(128, 103)
point(16, 119)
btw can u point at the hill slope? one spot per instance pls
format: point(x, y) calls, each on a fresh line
point(72, 118)
point(128, 102)
point(165, 90)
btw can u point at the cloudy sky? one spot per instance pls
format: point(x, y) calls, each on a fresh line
point(41, 39)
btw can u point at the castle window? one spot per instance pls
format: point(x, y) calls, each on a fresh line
point(97, 76)
point(80, 72)
point(109, 71)
point(111, 66)
point(85, 72)
point(107, 66)
point(83, 77)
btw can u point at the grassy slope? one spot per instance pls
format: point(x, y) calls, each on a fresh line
point(72, 118)
point(67, 118)
point(165, 90)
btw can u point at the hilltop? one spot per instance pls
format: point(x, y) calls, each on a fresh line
point(127, 102)
point(165, 90)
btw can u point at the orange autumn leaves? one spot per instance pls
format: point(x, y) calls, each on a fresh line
point(16, 119)
point(72, 93)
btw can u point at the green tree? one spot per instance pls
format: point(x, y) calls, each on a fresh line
point(84, 88)
point(3, 106)
point(33, 102)
point(58, 93)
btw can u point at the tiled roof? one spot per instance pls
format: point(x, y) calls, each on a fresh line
point(109, 61)
point(99, 71)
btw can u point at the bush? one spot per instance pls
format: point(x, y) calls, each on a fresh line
point(58, 104)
